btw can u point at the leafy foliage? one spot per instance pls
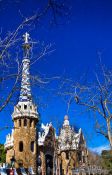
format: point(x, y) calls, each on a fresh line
point(2, 154)
point(107, 159)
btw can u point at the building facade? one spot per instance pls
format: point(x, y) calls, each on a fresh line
point(59, 155)
point(42, 150)
point(72, 151)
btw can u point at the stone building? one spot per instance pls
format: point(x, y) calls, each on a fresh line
point(60, 154)
point(22, 144)
point(71, 149)
point(42, 150)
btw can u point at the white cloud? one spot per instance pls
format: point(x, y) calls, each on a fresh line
point(99, 149)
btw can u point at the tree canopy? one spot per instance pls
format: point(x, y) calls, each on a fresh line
point(2, 154)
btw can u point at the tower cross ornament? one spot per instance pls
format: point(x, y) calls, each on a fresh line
point(26, 37)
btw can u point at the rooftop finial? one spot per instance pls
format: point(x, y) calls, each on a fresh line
point(26, 37)
point(26, 45)
point(66, 121)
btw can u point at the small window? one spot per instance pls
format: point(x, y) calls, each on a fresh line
point(67, 155)
point(20, 123)
point(25, 122)
point(83, 159)
point(19, 106)
point(30, 107)
point(21, 146)
point(25, 106)
point(30, 123)
point(32, 146)
point(79, 156)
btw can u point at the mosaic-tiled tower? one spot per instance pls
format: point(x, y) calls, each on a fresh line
point(25, 117)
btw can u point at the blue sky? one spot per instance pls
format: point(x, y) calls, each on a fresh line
point(77, 43)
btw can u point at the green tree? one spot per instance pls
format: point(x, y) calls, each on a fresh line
point(2, 154)
point(107, 159)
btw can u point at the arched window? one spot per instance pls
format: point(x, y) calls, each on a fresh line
point(25, 122)
point(30, 122)
point(32, 146)
point(25, 106)
point(19, 107)
point(19, 122)
point(21, 146)
point(67, 155)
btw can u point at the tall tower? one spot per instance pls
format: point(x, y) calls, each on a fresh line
point(25, 117)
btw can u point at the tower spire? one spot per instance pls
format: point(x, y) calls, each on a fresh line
point(25, 92)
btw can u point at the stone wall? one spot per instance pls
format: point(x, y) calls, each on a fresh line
point(25, 134)
point(9, 155)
